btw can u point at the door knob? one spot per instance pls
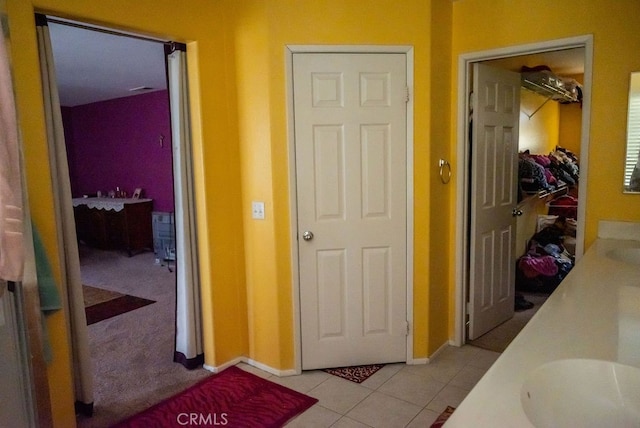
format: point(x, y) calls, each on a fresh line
point(307, 235)
point(516, 212)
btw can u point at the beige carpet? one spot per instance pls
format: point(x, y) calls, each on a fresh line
point(93, 295)
point(500, 337)
point(132, 354)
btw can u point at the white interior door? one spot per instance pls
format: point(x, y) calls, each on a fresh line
point(494, 177)
point(350, 141)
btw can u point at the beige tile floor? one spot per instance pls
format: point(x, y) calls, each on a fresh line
point(398, 395)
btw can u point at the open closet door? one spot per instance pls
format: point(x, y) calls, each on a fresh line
point(189, 351)
point(66, 227)
point(494, 197)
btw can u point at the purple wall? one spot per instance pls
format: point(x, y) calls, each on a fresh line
point(116, 143)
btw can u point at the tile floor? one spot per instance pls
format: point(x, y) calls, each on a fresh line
point(398, 395)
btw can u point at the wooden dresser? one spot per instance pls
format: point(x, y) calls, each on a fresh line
point(114, 223)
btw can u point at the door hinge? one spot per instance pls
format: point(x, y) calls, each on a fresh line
point(407, 94)
point(408, 327)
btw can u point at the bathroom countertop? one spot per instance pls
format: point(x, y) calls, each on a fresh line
point(594, 313)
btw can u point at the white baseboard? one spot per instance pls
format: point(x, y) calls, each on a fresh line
point(444, 346)
point(417, 361)
point(266, 368)
point(218, 369)
point(253, 363)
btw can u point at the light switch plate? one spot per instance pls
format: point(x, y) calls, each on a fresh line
point(257, 210)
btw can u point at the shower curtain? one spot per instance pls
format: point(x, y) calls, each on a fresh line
point(11, 216)
point(65, 223)
point(188, 338)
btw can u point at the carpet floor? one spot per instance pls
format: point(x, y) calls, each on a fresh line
point(94, 295)
point(232, 398)
point(100, 304)
point(132, 353)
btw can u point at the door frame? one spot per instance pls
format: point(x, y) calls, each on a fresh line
point(465, 62)
point(83, 23)
point(290, 50)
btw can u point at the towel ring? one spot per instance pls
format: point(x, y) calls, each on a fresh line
point(444, 178)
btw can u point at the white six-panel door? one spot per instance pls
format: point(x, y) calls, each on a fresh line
point(350, 145)
point(494, 172)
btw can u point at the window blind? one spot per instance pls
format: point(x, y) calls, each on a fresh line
point(633, 137)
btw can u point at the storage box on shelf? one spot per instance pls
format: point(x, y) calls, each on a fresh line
point(164, 242)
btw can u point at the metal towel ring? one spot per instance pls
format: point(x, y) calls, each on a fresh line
point(443, 163)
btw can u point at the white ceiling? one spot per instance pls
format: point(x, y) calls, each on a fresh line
point(95, 66)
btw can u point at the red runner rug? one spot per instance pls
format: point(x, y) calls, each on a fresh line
point(443, 417)
point(231, 398)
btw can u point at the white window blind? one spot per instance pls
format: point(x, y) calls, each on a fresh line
point(633, 137)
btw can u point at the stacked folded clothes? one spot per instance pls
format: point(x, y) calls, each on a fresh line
point(547, 172)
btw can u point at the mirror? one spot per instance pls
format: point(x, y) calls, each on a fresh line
point(632, 161)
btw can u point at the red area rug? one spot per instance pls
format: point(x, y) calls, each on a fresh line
point(357, 374)
point(231, 398)
point(442, 418)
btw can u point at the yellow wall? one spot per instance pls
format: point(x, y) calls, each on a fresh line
point(260, 37)
point(538, 133)
point(201, 24)
point(238, 88)
point(438, 226)
point(517, 22)
point(570, 131)
point(238, 96)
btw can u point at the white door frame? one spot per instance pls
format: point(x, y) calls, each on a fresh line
point(462, 153)
point(289, 51)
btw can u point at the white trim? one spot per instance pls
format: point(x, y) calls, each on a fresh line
point(461, 242)
point(268, 369)
point(218, 369)
point(428, 360)
point(295, 274)
point(293, 211)
point(253, 363)
point(410, 204)
point(442, 347)
point(291, 49)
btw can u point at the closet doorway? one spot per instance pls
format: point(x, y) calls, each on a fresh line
point(511, 58)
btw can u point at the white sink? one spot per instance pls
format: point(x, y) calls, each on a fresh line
point(582, 393)
point(627, 255)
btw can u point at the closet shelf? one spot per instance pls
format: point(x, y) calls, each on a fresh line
point(551, 92)
point(549, 86)
point(545, 194)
